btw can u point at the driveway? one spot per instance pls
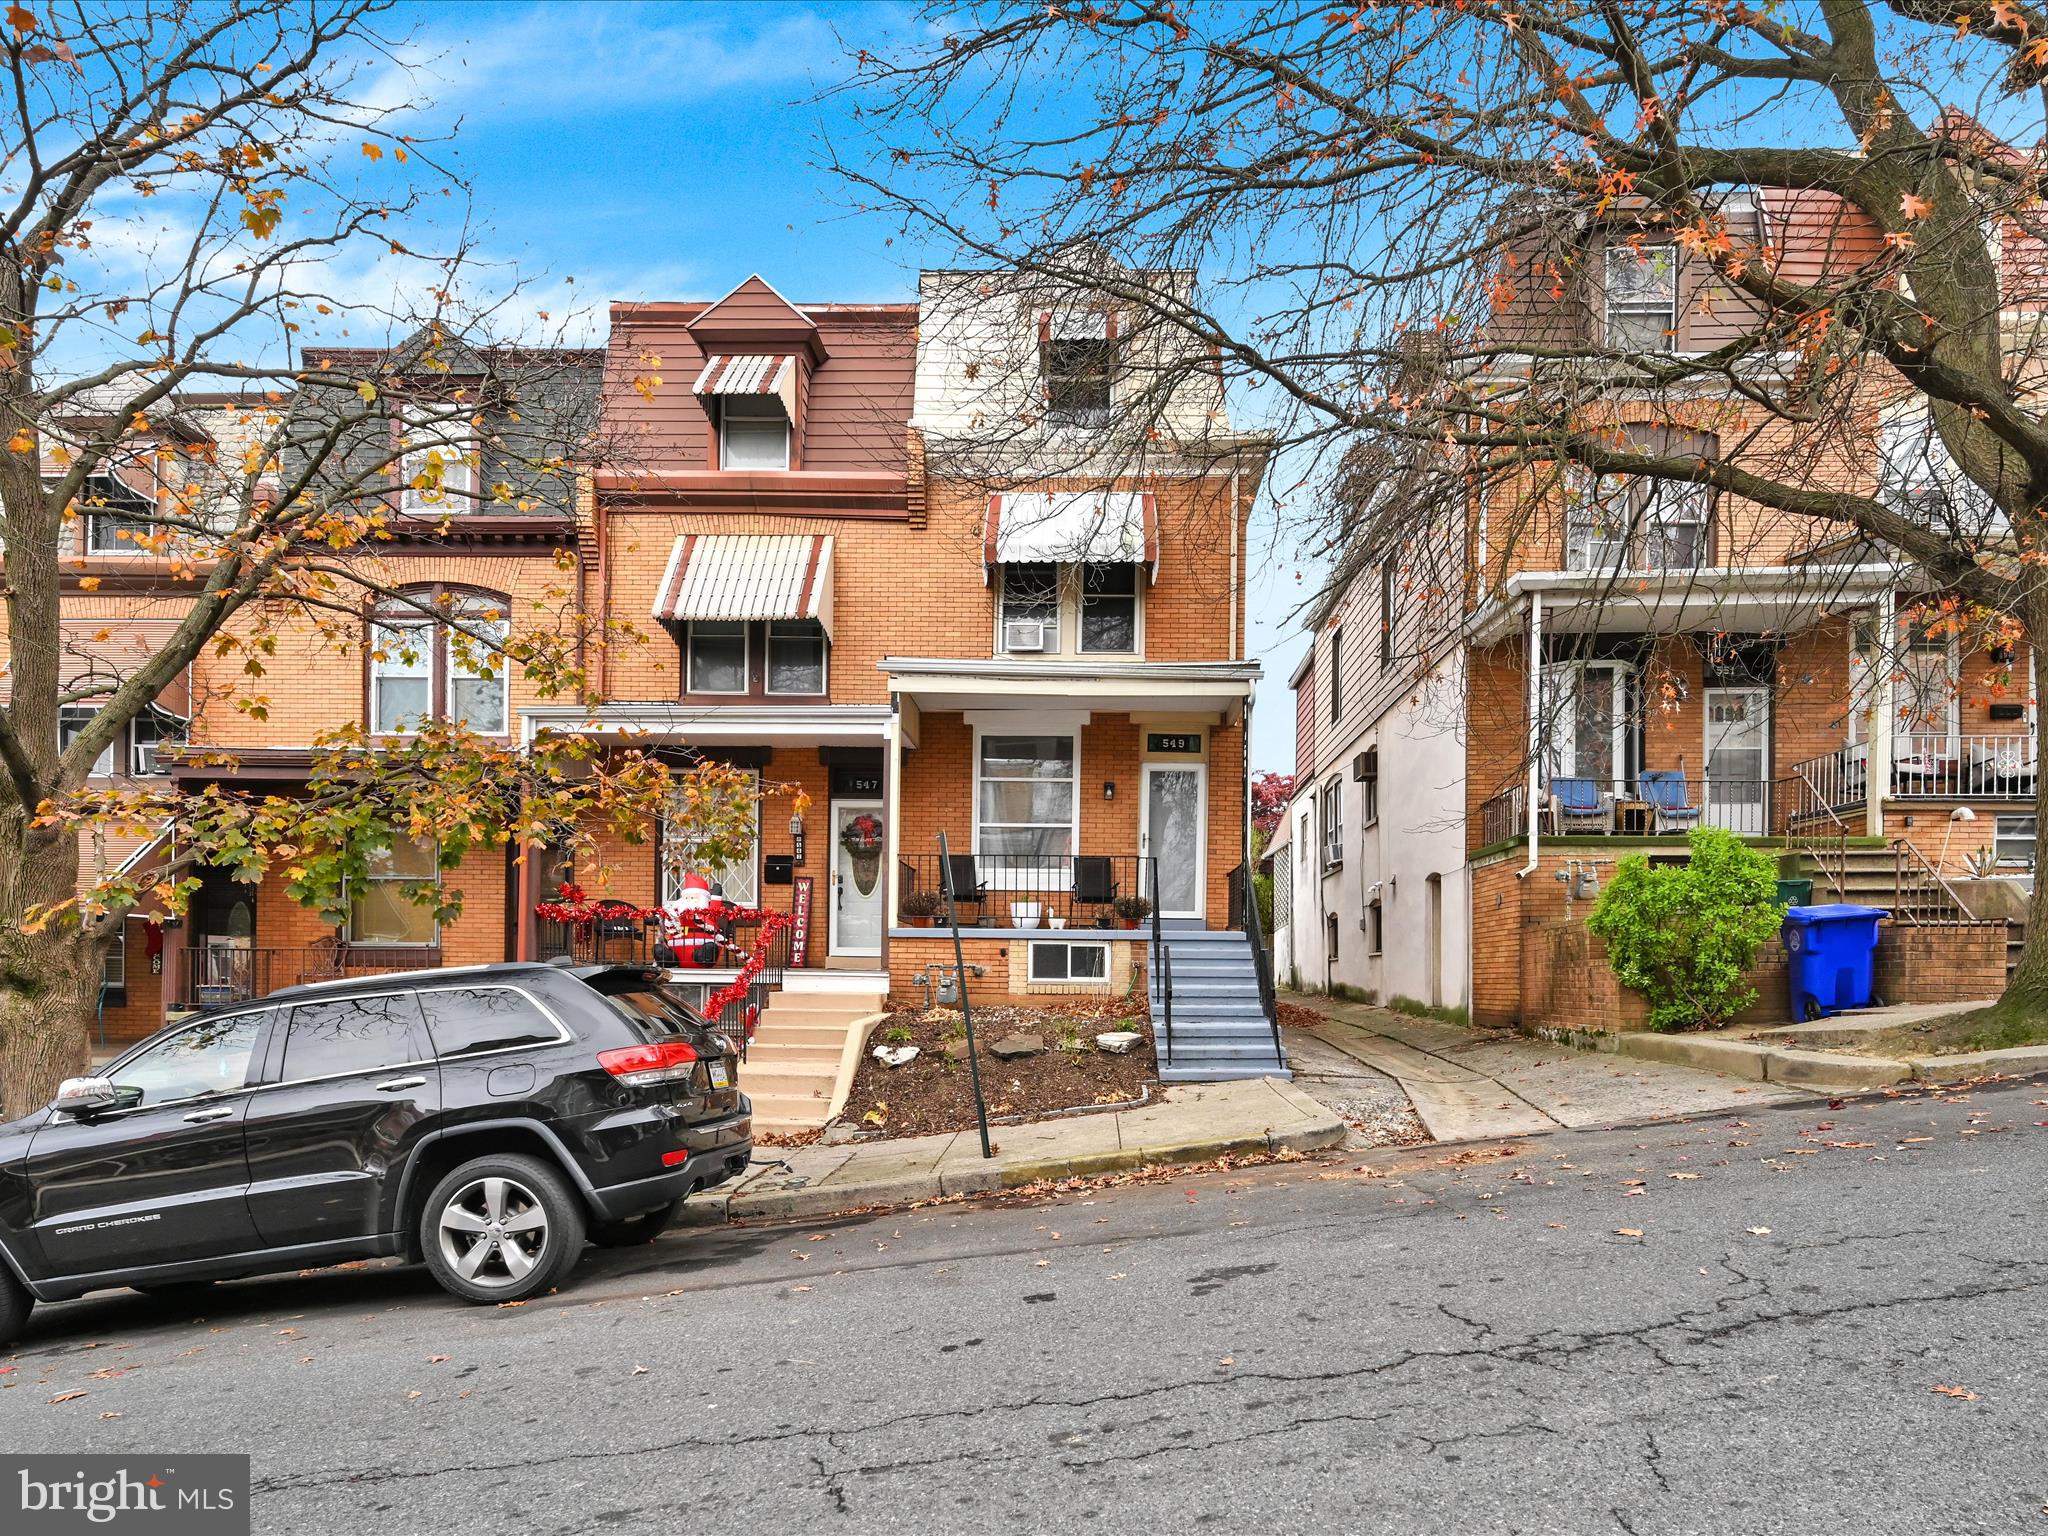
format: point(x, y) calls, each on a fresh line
point(1472, 1084)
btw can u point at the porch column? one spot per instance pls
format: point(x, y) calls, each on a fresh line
point(892, 778)
point(1877, 769)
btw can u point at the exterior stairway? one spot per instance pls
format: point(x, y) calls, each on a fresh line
point(800, 1049)
point(1220, 1030)
point(1889, 878)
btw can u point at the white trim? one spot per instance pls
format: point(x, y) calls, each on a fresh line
point(1035, 947)
point(1201, 772)
point(753, 724)
point(833, 807)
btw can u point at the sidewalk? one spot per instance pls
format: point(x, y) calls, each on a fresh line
point(1192, 1123)
point(1474, 1085)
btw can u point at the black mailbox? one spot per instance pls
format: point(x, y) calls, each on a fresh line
point(778, 869)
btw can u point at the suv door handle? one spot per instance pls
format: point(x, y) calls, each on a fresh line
point(209, 1114)
point(399, 1084)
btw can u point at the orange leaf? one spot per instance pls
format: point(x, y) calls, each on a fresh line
point(1913, 207)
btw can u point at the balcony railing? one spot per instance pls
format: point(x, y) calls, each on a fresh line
point(1749, 807)
point(1928, 766)
point(210, 977)
point(1081, 891)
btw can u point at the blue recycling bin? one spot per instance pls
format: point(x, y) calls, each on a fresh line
point(1830, 951)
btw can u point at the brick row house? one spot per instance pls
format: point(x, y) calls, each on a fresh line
point(1579, 668)
point(806, 563)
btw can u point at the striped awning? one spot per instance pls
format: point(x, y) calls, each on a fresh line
point(1098, 527)
point(748, 576)
point(728, 375)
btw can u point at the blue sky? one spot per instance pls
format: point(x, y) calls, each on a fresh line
point(667, 151)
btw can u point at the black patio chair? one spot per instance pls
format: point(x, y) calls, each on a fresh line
point(969, 889)
point(1094, 880)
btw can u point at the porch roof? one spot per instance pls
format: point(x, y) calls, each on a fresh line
point(768, 725)
point(1158, 687)
point(1750, 599)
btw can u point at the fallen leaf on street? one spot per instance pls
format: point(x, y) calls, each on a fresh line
point(1758, 1231)
point(1628, 1231)
point(1681, 1175)
point(1953, 1391)
point(798, 1290)
point(1228, 1360)
point(67, 1397)
point(436, 1359)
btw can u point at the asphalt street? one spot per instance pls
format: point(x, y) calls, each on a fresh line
point(1794, 1319)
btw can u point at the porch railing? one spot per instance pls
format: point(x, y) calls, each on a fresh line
point(1929, 766)
point(1080, 890)
point(1505, 816)
point(209, 977)
point(641, 941)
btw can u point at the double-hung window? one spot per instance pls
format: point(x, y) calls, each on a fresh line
point(1027, 796)
point(1031, 596)
point(717, 656)
point(71, 723)
point(1642, 297)
point(796, 656)
point(2013, 843)
point(1390, 614)
point(1333, 824)
point(382, 908)
point(753, 433)
point(437, 460)
point(738, 882)
point(452, 669)
point(1077, 373)
point(1109, 607)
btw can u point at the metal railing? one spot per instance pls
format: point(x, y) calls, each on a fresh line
point(1030, 890)
point(1920, 893)
point(642, 941)
point(210, 976)
point(1162, 972)
point(1929, 765)
point(1244, 904)
point(1504, 817)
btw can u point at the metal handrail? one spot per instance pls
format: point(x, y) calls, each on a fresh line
point(1161, 966)
point(1910, 855)
point(1262, 963)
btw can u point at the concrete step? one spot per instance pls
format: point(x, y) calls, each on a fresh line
point(807, 1010)
point(801, 1108)
point(1187, 1026)
point(1218, 1073)
point(783, 1032)
point(796, 1081)
point(1216, 1008)
point(782, 1053)
point(1215, 986)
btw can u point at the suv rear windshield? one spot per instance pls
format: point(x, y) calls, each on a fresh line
point(658, 1014)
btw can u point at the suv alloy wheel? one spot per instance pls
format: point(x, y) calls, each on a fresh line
point(501, 1228)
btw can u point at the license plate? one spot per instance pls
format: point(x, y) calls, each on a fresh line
point(720, 1077)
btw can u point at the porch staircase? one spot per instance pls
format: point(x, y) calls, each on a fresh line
point(1893, 878)
point(1219, 1030)
point(799, 1062)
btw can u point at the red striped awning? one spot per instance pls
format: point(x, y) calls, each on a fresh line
point(748, 576)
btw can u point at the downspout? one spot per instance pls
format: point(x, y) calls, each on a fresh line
point(1534, 661)
point(1877, 763)
point(1233, 574)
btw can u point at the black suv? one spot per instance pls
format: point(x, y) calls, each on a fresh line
point(484, 1119)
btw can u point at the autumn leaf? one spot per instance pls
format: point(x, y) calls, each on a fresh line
point(68, 1397)
point(1758, 1231)
point(437, 1359)
point(1913, 207)
point(373, 152)
point(21, 19)
point(1964, 1393)
point(1628, 1231)
point(89, 583)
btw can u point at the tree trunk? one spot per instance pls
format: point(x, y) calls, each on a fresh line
point(2027, 991)
point(49, 978)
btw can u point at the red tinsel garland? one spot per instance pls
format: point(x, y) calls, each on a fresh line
point(576, 909)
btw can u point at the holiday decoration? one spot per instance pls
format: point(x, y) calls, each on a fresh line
point(697, 925)
point(861, 837)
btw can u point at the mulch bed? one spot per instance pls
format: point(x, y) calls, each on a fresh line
point(936, 1093)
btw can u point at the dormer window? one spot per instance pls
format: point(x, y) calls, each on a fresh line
point(437, 461)
point(1077, 365)
point(1642, 297)
point(753, 433)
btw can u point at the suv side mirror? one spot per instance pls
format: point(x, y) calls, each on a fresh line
point(84, 1095)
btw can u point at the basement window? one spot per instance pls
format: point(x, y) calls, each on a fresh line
point(2013, 843)
point(1069, 962)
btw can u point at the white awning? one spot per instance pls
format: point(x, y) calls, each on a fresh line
point(730, 374)
point(748, 576)
point(1099, 527)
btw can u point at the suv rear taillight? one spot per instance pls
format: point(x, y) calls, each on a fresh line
point(638, 1065)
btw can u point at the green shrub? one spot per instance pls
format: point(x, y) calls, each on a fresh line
point(1682, 935)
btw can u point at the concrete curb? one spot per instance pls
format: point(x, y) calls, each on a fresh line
point(1831, 1070)
point(769, 1196)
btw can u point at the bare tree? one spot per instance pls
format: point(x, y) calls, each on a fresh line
point(1405, 214)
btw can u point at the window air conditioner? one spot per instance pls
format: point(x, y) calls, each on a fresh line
point(1024, 635)
point(1359, 764)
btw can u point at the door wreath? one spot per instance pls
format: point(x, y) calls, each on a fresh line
point(862, 839)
